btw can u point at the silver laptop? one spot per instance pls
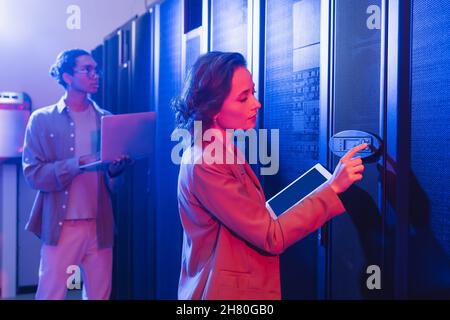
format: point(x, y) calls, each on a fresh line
point(129, 134)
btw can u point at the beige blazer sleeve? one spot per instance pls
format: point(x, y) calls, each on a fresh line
point(232, 202)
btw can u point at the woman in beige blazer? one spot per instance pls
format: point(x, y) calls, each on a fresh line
point(231, 242)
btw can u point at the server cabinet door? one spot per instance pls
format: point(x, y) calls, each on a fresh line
point(195, 40)
point(291, 105)
point(358, 264)
point(110, 63)
point(168, 230)
point(134, 208)
point(429, 220)
point(123, 248)
point(229, 25)
point(97, 54)
point(142, 175)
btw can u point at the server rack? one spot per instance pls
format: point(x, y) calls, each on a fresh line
point(128, 63)
point(168, 230)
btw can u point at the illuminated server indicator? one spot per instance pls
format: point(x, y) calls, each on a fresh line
point(343, 141)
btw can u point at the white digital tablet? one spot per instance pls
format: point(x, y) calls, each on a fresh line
point(299, 189)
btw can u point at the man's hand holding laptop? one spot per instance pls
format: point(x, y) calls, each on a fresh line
point(115, 168)
point(88, 158)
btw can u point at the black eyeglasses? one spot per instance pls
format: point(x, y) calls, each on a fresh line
point(91, 72)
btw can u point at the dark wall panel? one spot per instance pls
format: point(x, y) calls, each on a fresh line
point(429, 239)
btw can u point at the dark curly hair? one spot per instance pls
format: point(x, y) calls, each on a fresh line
point(207, 85)
point(65, 62)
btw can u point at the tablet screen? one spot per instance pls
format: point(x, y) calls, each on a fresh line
point(295, 192)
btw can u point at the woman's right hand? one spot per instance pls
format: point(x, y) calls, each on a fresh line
point(348, 171)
